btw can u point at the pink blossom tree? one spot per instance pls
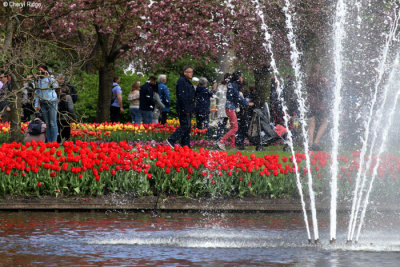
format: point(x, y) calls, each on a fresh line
point(153, 31)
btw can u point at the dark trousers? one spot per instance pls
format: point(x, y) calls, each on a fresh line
point(115, 114)
point(242, 131)
point(64, 128)
point(27, 111)
point(203, 121)
point(164, 116)
point(183, 132)
point(221, 127)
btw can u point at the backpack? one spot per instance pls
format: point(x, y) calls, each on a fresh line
point(113, 97)
point(35, 127)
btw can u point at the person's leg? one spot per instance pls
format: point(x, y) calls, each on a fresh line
point(240, 134)
point(185, 139)
point(207, 125)
point(138, 116)
point(147, 117)
point(177, 135)
point(199, 121)
point(234, 127)
point(321, 130)
point(60, 129)
point(53, 122)
point(132, 113)
point(311, 130)
point(114, 114)
point(65, 131)
point(45, 114)
point(221, 127)
point(144, 116)
point(164, 116)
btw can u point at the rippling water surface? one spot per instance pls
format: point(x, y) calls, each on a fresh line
point(183, 239)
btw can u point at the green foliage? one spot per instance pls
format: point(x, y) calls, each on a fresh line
point(87, 87)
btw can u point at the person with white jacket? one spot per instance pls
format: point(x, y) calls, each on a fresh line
point(221, 102)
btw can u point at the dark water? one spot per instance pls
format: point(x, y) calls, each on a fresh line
point(181, 239)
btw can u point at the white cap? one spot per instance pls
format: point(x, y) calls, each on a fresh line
point(195, 79)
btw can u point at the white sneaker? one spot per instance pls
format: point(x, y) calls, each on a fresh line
point(168, 143)
point(221, 146)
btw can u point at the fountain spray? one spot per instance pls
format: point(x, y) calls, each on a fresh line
point(294, 56)
point(339, 35)
point(268, 47)
point(361, 173)
point(394, 77)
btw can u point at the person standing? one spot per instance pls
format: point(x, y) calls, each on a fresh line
point(185, 97)
point(72, 91)
point(243, 116)
point(116, 108)
point(4, 95)
point(146, 100)
point(232, 101)
point(27, 99)
point(134, 100)
point(221, 102)
point(46, 100)
point(317, 109)
point(202, 109)
point(66, 114)
point(158, 105)
point(163, 92)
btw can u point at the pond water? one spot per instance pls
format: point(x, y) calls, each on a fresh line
point(182, 239)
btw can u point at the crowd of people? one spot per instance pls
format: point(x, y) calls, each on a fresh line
point(232, 100)
point(231, 95)
point(46, 97)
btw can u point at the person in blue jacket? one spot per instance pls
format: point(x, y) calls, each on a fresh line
point(202, 109)
point(46, 100)
point(233, 99)
point(163, 92)
point(185, 97)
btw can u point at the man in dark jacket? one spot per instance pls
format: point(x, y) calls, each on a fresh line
point(146, 102)
point(185, 96)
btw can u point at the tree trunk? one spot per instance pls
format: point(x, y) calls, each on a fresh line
point(106, 74)
point(262, 80)
point(225, 64)
point(16, 108)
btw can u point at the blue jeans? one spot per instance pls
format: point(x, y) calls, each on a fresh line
point(147, 116)
point(136, 115)
point(49, 112)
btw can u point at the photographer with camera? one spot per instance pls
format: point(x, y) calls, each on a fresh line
point(4, 95)
point(46, 101)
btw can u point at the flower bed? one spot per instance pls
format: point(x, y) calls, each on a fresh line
point(92, 168)
point(115, 132)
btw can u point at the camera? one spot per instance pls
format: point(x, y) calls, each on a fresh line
point(42, 73)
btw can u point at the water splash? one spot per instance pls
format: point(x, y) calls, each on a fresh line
point(294, 56)
point(268, 47)
point(361, 173)
point(339, 35)
point(394, 77)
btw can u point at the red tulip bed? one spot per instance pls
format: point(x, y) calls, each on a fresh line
point(92, 169)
